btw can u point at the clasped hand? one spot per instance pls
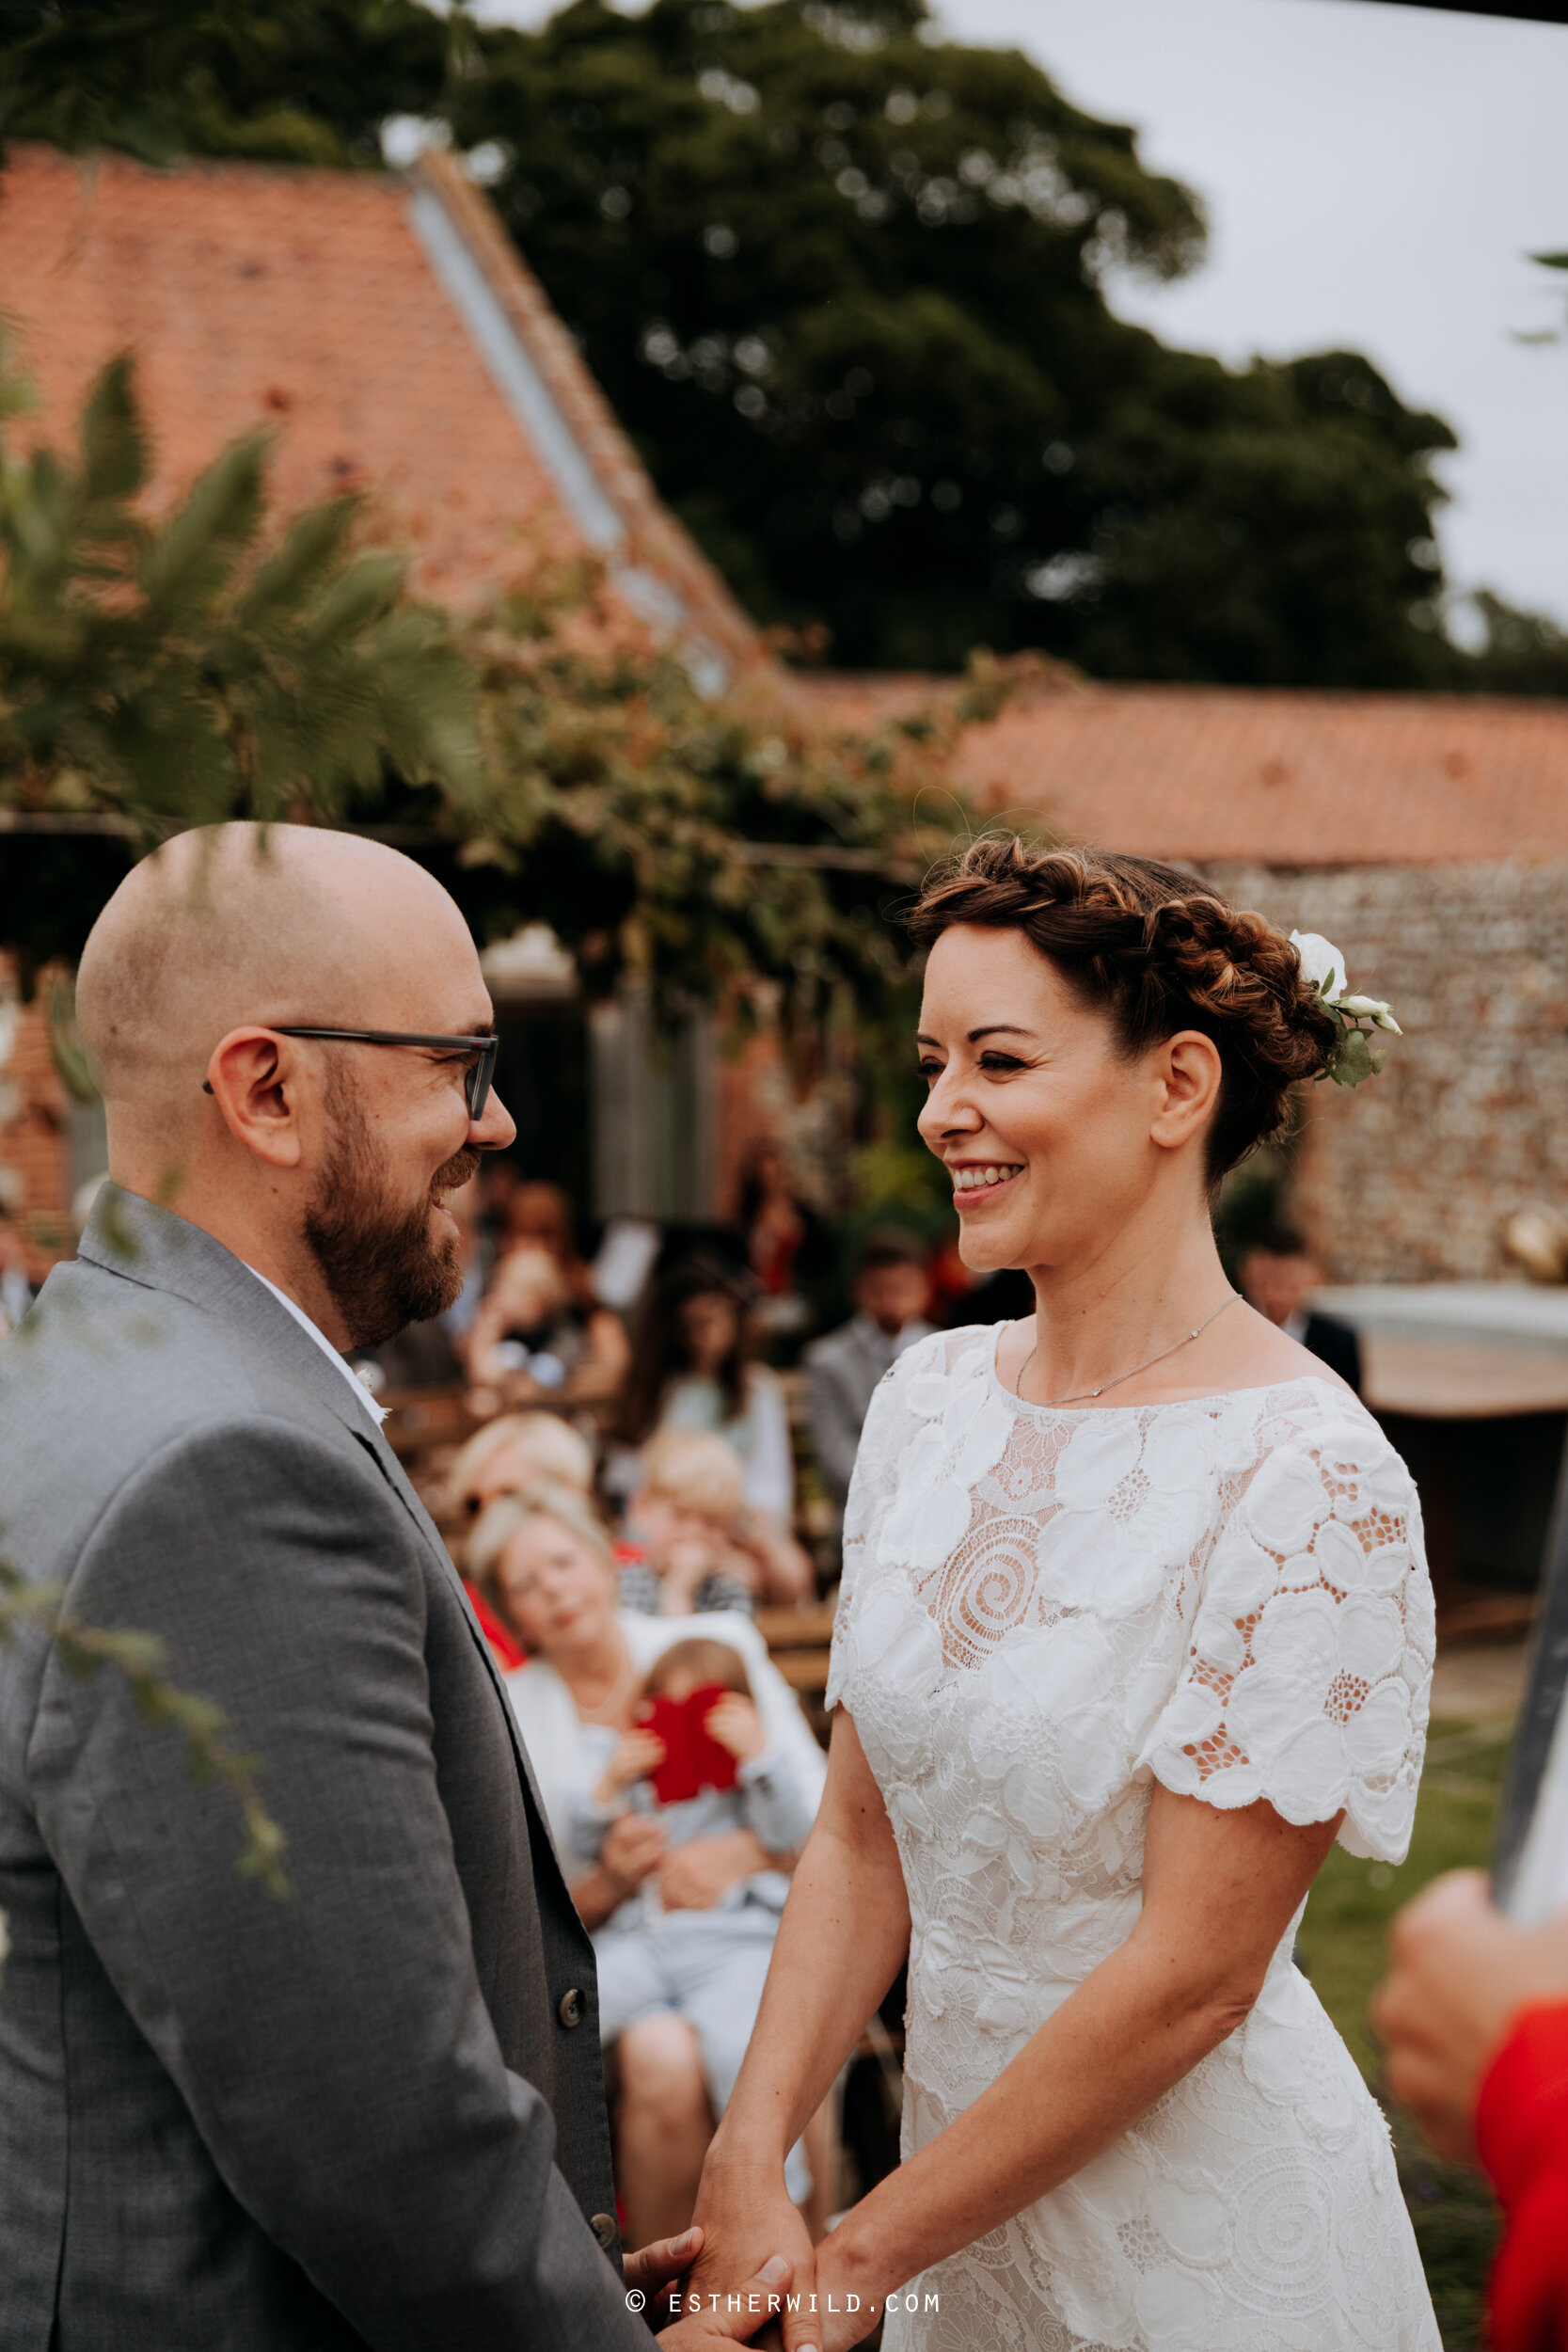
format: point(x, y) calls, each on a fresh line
point(745, 2212)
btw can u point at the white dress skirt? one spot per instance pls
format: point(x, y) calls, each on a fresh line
point(1046, 1611)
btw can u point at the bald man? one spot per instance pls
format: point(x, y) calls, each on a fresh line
point(372, 2112)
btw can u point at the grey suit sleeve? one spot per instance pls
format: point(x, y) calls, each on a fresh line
point(835, 1428)
point(333, 2047)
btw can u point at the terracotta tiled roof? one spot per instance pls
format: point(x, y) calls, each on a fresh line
point(386, 328)
point(1211, 774)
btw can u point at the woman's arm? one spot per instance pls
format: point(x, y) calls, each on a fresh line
point(844, 1932)
point(1219, 1892)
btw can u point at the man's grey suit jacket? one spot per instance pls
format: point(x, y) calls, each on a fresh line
point(368, 2113)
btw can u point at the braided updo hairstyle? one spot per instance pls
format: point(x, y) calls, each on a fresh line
point(1157, 950)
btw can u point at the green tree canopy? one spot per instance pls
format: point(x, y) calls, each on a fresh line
point(847, 287)
point(846, 282)
point(289, 81)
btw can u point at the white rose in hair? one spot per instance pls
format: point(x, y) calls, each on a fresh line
point(1322, 967)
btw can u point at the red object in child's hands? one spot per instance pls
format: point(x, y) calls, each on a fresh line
point(693, 1759)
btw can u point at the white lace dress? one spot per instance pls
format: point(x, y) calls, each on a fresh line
point(1044, 1610)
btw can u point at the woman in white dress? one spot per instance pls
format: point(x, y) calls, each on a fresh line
point(1136, 1623)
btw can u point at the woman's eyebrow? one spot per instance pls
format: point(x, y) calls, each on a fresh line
point(994, 1028)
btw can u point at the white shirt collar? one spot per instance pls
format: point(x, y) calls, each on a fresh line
point(378, 1412)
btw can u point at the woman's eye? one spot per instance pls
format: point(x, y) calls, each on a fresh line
point(928, 1069)
point(1000, 1062)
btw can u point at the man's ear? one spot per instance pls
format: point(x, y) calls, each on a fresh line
point(252, 1077)
point(1189, 1070)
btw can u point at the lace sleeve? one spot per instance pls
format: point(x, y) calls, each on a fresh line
point(1307, 1677)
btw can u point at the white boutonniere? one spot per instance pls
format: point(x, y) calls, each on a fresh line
point(1351, 1059)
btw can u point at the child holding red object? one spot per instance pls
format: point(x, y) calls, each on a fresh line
point(1475, 2015)
point(697, 1755)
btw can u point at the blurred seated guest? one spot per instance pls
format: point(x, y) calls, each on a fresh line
point(543, 1563)
point(697, 1758)
point(1475, 2017)
point(542, 1214)
point(787, 1246)
point(892, 1297)
point(16, 1291)
point(682, 1553)
point(693, 1367)
point(516, 1451)
point(529, 1339)
point(1279, 1276)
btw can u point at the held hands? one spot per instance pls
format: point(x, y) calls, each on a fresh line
point(1461, 1973)
point(743, 2203)
point(653, 2274)
point(743, 2212)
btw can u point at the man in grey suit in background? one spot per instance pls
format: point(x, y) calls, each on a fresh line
point(893, 1292)
point(370, 2112)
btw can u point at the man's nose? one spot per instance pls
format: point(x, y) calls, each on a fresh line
point(497, 1129)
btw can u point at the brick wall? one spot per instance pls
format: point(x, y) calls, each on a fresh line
point(1411, 1177)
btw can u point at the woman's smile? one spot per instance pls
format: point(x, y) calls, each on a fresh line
point(975, 1182)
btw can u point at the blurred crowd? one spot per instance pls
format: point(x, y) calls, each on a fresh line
point(641, 1470)
point(636, 1453)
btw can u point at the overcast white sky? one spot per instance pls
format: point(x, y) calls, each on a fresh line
point(1374, 177)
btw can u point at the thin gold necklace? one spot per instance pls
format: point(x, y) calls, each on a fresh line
point(1079, 1395)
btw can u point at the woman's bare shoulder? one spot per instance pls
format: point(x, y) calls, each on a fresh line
point(1271, 1357)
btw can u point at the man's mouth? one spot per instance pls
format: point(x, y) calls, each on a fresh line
point(452, 1175)
point(973, 1176)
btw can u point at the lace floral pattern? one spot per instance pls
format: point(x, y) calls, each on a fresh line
point(1044, 1610)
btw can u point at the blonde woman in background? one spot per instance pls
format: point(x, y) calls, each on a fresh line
point(543, 1561)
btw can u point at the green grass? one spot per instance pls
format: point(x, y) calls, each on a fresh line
point(1344, 1943)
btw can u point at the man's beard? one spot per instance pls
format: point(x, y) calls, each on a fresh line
point(385, 1267)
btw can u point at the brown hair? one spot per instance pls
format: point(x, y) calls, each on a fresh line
point(659, 1353)
point(710, 1661)
point(1157, 950)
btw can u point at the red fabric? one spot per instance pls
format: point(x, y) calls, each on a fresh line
point(509, 1650)
point(693, 1759)
point(1522, 2132)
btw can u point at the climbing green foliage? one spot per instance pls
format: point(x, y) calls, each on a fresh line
point(550, 758)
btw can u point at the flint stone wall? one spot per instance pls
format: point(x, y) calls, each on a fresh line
point(1411, 1177)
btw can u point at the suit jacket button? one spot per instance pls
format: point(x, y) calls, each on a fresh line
point(603, 2227)
point(569, 2010)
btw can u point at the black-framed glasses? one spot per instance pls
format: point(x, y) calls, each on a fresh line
point(476, 1079)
